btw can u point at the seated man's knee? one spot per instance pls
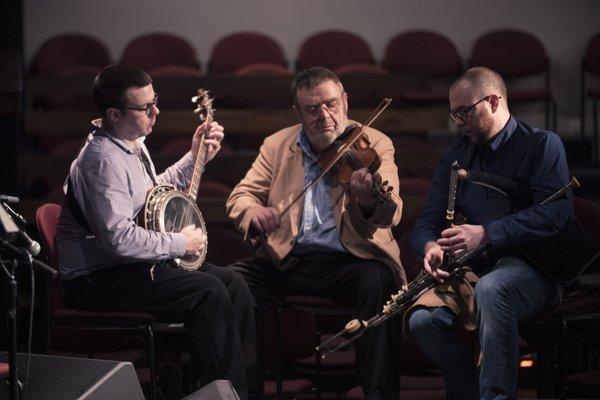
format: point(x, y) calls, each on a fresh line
point(489, 291)
point(427, 320)
point(419, 321)
point(238, 283)
point(210, 287)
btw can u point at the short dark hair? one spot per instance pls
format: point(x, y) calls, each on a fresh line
point(113, 81)
point(483, 80)
point(311, 78)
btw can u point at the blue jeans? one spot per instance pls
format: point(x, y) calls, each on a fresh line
point(511, 291)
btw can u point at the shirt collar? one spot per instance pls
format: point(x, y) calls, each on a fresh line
point(98, 129)
point(502, 137)
point(304, 144)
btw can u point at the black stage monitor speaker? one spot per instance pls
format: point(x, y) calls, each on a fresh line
point(66, 378)
point(216, 390)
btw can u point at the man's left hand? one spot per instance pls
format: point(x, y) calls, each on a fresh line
point(361, 186)
point(461, 238)
point(212, 139)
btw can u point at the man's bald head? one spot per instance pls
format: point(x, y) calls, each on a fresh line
point(478, 104)
point(482, 82)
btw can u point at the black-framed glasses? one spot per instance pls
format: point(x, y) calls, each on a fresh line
point(314, 110)
point(147, 108)
point(463, 114)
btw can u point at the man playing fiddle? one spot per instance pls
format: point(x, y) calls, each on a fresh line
point(509, 288)
point(337, 241)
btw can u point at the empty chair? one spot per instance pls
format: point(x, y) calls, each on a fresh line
point(333, 49)
point(161, 53)
point(590, 66)
point(516, 54)
point(360, 69)
point(428, 56)
point(263, 69)
point(284, 335)
point(242, 49)
point(368, 74)
point(71, 54)
point(554, 333)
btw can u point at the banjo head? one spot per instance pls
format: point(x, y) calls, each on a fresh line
point(169, 211)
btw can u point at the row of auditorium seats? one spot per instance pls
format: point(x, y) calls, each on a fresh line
point(420, 53)
point(413, 52)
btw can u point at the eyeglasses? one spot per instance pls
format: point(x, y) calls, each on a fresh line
point(314, 110)
point(463, 114)
point(147, 108)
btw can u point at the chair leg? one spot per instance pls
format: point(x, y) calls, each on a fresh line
point(595, 125)
point(582, 100)
point(153, 383)
point(278, 337)
point(318, 367)
point(563, 359)
point(260, 377)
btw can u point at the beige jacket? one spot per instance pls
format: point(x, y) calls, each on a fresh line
point(277, 177)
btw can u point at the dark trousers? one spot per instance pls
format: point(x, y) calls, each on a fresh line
point(213, 302)
point(342, 277)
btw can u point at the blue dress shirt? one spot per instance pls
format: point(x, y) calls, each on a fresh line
point(317, 228)
point(532, 157)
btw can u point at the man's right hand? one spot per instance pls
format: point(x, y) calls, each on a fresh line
point(195, 240)
point(266, 219)
point(434, 260)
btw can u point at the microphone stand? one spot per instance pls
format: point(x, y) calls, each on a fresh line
point(25, 257)
point(12, 329)
point(14, 215)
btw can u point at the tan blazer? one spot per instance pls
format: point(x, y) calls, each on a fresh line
point(277, 177)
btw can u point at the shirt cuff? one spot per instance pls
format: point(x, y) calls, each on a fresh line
point(380, 215)
point(177, 245)
point(496, 233)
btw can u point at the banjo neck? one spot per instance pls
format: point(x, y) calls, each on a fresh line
point(198, 166)
point(205, 111)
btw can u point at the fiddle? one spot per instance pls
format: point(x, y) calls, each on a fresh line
point(358, 154)
point(356, 138)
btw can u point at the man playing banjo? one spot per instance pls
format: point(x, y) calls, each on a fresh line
point(107, 262)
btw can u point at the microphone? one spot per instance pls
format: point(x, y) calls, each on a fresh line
point(32, 246)
point(9, 199)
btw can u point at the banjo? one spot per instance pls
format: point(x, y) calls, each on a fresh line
point(170, 210)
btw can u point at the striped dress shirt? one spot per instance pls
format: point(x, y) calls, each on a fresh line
point(110, 185)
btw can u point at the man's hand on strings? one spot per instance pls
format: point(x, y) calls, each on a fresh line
point(461, 238)
point(195, 240)
point(361, 186)
point(214, 134)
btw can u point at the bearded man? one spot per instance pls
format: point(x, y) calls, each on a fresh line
point(336, 242)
